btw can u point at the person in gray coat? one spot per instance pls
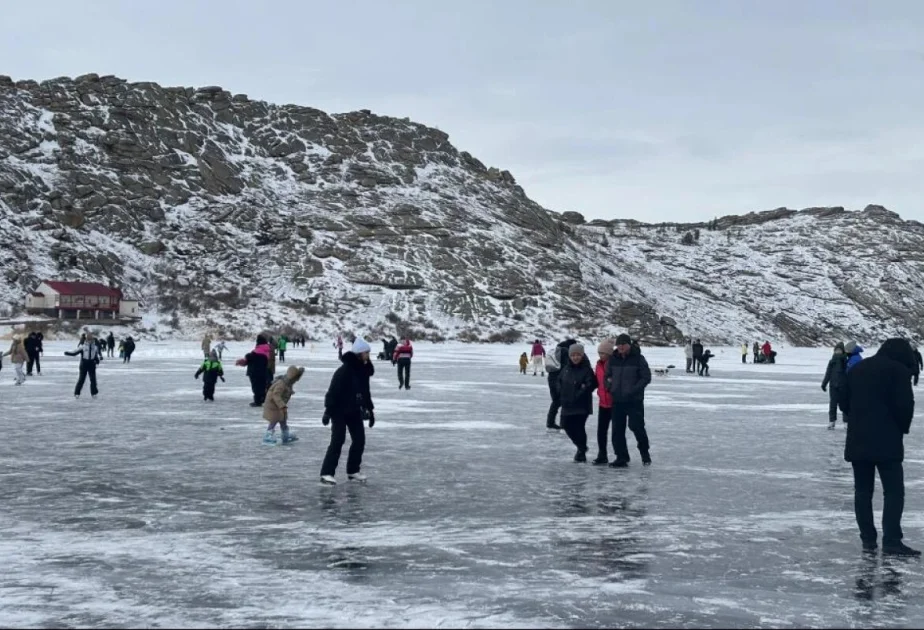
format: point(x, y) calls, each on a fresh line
point(835, 379)
point(626, 376)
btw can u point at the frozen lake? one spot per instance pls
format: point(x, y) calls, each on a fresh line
point(149, 507)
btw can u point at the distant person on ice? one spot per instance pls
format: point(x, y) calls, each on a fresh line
point(577, 383)
point(835, 379)
point(110, 345)
point(553, 365)
point(756, 349)
point(918, 365)
point(688, 353)
point(697, 354)
point(744, 352)
point(538, 357)
point(347, 403)
point(704, 363)
point(627, 375)
point(879, 404)
point(33, 347)
point(339, 345)
point(281, 346)
point(128, 348)
point(257, 363)
point(90, 356)
point(854, 354)
point(403, 355)
point(206, 345)
point(524, 363)
point(276, 407)
point(220, 349)
point(212, 371)
point(605, 408)
point(18, 357)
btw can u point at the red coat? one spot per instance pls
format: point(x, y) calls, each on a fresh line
point(538, 350)
point(404, 351)
point(606, 401)
point(766, 349)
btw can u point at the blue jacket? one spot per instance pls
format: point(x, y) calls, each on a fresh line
point(854, 358)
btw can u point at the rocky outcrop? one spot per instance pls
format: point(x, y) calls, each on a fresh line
point(222, 211)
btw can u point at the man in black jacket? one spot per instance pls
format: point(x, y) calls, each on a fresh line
point(627, 375)
point(33, 346)
point(347, 403)
point(835, 376)
point(561, 354)
point(879, 404)
point(697, 355)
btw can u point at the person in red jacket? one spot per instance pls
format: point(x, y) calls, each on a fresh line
point(538, 358)
point(766, 349)
point(403, 355)
point(605, 412)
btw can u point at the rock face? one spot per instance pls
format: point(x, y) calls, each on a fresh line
point(224, 212)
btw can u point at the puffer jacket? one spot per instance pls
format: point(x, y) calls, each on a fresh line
point(606, 401)
point(275, 406)
point(349, 393)
point(627, 377)
point(577, 383)
point(836, 374)
point(878, 401)
point(18, 353)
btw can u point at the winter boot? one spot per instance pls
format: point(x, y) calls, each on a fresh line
point(600, 461)
point(269, 438)
point(900, 549)
point(287, 437)
point(870, 547)
point(581, 455)
point(328, 480)
point(646, 459)
point(620, 463)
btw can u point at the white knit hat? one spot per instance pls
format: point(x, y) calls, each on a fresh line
point(360, 346)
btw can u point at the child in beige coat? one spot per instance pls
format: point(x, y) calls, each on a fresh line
point(276, 406)
point(18, 357)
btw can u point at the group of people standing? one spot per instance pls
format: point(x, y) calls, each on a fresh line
point(697, 357)
point(620, 377)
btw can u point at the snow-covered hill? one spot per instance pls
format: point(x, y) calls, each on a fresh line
point(226, 213)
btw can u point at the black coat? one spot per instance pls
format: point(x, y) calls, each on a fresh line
point(349, 393)
point(879, 404)
point(257, 367)
point(627, 377)
point(577, 383)
point(32, 345)
point(836, 374)
point(128, 346)
point(697, 349)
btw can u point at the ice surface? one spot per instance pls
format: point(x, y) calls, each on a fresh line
point(149, 507)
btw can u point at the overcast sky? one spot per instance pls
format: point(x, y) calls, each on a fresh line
point(655, 110)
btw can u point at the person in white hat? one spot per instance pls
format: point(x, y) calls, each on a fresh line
point(347, 404)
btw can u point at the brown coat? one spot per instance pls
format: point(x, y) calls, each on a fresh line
point(275, 408)
point(207, 344)
point(17, 352)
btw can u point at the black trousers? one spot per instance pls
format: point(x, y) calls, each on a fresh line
point(555, 393)
point(833, 397)
point(633, 415)
point(282, 356)
point(893, 504)
point(575, 427)
point(703, 368)
point(33, 361)
point(404, 372)
point(208, 390)
point(127, 358)
point(744, 358)
point(604, 417)
point(696, 364)
point(87, 368)
point(110, 350)
point(258, 387)
point(339, 428)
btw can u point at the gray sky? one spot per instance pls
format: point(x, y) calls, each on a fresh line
point(660, 110)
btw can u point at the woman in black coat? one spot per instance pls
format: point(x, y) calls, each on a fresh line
point(577, 382)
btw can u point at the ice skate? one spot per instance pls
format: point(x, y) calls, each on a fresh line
point(328, 480)
point(358, 477)
point(900, 549)
point(288, 438)
point(269, 438)
point(831, 426)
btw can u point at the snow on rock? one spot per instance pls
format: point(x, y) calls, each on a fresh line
point(230, 214)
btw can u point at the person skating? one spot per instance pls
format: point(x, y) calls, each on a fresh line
point(704, 363)
point(835, 375)
point(348, 401)
point(524, 363)
point(878, 401)
point(767, 350)
point(605, 407)
point(744, 352)
point(697, 354)
point(33, 351)
point(211, 371)
point(90, 357)
point(627, 375)
point(688, 354)
point(18, 357)
point(281, 346)
point(854, 354)
point(220, 349)
point(110, 345)
point(128, 348)
point(339, 345)
point(403, 355)
point(206, 345)
point(918, 365)
point(537, 355)
point(577, 381)
point(756, 350)
point(276, 407)
point(553, 365)
point(257, 363)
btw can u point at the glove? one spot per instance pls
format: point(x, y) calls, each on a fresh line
point(325, 419)
point(371, 418)
point(824, 388)
point(916, 381)
point(222, 378)
point(196, 377)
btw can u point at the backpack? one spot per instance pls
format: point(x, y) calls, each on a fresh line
point(553, 361)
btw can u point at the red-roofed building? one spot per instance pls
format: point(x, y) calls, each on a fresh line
point(80, 300)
